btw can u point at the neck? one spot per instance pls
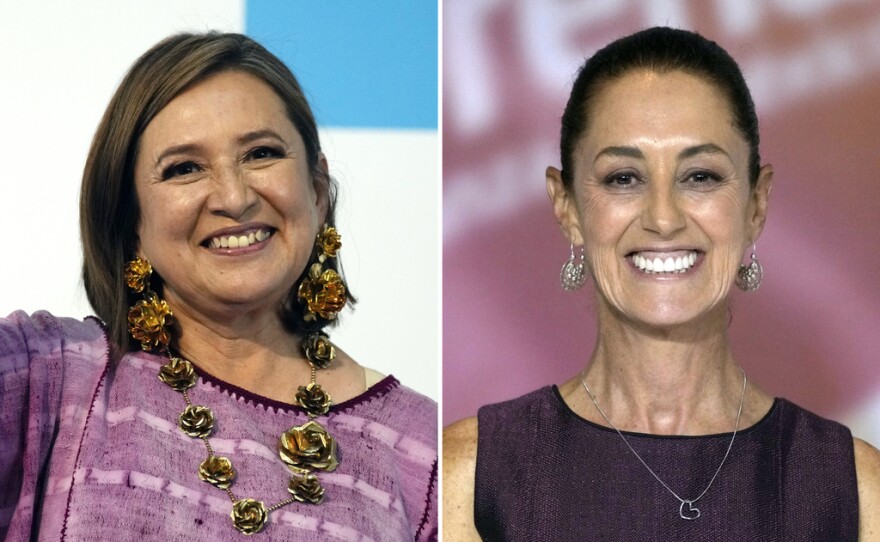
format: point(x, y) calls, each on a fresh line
point(252, 351)
point(665, 381)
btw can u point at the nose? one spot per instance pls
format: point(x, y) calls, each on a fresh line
point(233, 195)
point(662, 213)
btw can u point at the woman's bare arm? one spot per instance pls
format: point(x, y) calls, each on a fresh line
point(459, 467)
point(868, 474)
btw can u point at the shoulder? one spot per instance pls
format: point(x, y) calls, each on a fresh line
point(408, 413)
point(459, 468)
point(417, 407)
point(804, 427)
point(24, 337)
point(868, 473)
point(404, 393)
point(43, 324)
point(389, 392)
point(529, 404)
point(19, 329)
point(460, 456)
point(460, 438)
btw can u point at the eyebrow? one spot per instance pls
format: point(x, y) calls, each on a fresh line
point(635, 152)
point(705, 148)
point(625, 152)
point(249, 137)
point(176, 149)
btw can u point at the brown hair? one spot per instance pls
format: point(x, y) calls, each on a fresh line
point(109, 210)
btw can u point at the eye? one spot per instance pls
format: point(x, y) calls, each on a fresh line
point(621, 180)
point(702, 177)
point(179, 170)
point(261, 153)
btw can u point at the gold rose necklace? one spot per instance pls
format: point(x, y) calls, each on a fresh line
point(686, 510)
point(305, 448)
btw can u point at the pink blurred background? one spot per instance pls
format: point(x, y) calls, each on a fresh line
point(809, 334)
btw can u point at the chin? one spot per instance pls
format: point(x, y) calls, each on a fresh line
point(253, 296)
point(661, 317)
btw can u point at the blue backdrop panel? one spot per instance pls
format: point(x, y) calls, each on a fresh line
point(362, 64)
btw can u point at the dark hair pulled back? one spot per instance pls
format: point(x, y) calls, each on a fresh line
point(660, 50)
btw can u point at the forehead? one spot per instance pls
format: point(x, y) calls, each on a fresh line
point(230, 85)
point(650, 106)
point(225, 98)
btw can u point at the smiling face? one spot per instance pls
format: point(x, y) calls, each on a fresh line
point(229, 209)
point(660, 198)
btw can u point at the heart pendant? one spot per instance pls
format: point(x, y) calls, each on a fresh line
point(690, 513)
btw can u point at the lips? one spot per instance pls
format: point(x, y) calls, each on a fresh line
point(664, 263)
point(241, 239)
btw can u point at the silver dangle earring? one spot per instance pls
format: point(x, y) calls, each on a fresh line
point(749, 277)
point(574, 271)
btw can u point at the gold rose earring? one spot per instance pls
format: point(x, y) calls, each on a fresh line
point(322, 292)
point(149, 317)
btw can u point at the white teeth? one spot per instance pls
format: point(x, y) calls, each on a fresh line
point(670, 265)
point(240, 241)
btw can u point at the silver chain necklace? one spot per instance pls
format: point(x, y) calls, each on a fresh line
point(687, 510)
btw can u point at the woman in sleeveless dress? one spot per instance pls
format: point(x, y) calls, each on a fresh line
point(661, 436)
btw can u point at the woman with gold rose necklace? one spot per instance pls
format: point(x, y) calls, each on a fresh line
point(210, 401)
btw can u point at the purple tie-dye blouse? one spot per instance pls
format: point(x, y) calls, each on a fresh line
point(90, 450)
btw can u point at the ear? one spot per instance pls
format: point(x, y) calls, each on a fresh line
point(759, 201)
point(138, 249)
point(564, 207)
point(322, 187)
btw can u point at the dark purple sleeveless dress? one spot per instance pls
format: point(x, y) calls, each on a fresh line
point(544, 473)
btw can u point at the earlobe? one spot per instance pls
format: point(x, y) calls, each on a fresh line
point(564, 207)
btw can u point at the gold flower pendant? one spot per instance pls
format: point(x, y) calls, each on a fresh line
point(306, 489)
point(249, 515)
point(308, 446)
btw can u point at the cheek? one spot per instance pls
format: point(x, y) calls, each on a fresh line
point(603, 221)
point(294, 204)
point(724, 221)
point(165, 217)
point(289, 189)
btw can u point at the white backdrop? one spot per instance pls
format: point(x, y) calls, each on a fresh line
point(61, 63)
